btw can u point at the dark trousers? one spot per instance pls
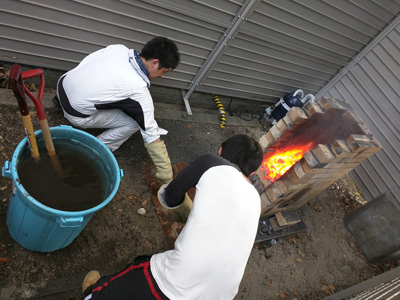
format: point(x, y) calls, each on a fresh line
point(135, 282)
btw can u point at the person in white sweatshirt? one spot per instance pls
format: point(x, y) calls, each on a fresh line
point(211, 252)
point(110, 89)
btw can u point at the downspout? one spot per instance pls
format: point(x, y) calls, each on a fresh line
point(242, 16)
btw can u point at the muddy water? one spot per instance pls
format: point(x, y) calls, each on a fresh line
point(81, 185)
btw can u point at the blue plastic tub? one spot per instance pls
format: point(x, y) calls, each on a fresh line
point(40, 228)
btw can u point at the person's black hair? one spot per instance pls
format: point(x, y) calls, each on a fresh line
point(164, 50)
point(243, 151)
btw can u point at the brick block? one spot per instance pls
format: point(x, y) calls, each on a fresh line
point(352, 116)
point(371, 150)
point(264, 199)
point(281, 125)
point(374, 140)
point(304, 194)
point(287, 217)
point(336, 176)
point(300, 202)
point(289, 123)
point(323, 154)
point(351, 165)
point(364, 154)
point(274, 224)
point(274, 193)
point(264, 143)
point(265, 208)
point(309, 161)
point(301, 172)
point(356, 160)
point(290, 185)
point(318, 169)
point(297, 115)
point(359, 143)
point(260, 175)
point(295, 178)
point(330, 104)
point(318, 177)
point(336, 165)
point(270, 211)
point(341, 150)
point(313, 108)
point(271, 195)
point(276, 133)
point(271, 140)
point(282, 186)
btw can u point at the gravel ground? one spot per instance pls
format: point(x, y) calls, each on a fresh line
point(312, 264)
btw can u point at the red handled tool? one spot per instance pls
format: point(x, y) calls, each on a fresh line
point(44, 125)
point(18, 90)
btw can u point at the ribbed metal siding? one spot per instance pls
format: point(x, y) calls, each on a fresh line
point(372, 87)
point(285, 45)
point(251, 49)
point(385, 286)
point(58, 34)
point(385, 291)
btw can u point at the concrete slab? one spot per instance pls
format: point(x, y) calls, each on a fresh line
point(167, 111)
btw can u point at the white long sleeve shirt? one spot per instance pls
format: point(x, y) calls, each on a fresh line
point(211, 252)
point(111, 78)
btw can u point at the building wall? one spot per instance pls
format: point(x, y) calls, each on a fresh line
point(250, 49)
point(371, 85)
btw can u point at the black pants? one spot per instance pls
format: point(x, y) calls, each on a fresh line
point(135, 282)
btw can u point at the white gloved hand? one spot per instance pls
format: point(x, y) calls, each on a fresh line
point(181, 212)
point(159, 155)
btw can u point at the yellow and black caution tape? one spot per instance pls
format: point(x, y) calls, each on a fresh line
point(221, 111)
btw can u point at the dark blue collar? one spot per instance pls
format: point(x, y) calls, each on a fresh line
point(141, 64)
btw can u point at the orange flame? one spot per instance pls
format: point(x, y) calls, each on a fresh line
point(276, 165)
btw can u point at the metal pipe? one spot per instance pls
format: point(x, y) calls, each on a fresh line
point(222, 44)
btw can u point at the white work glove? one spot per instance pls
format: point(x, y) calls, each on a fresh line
point(181, 212)
point(159, 156)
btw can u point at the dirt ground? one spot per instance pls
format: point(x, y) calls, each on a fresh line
point(309, 265)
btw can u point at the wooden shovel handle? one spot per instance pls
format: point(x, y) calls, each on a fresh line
point(44, 126)
point(27, 122)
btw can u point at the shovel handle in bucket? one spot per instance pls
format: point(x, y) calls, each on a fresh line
point(44, 126)
point(18, 90)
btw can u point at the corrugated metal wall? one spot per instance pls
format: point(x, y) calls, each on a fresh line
point(385, 286)
point(250, 49)
point(371, 84)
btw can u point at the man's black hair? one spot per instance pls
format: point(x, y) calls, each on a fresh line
point(243, 151)
point(164, 50)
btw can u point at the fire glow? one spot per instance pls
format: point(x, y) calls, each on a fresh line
point(275, 165)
